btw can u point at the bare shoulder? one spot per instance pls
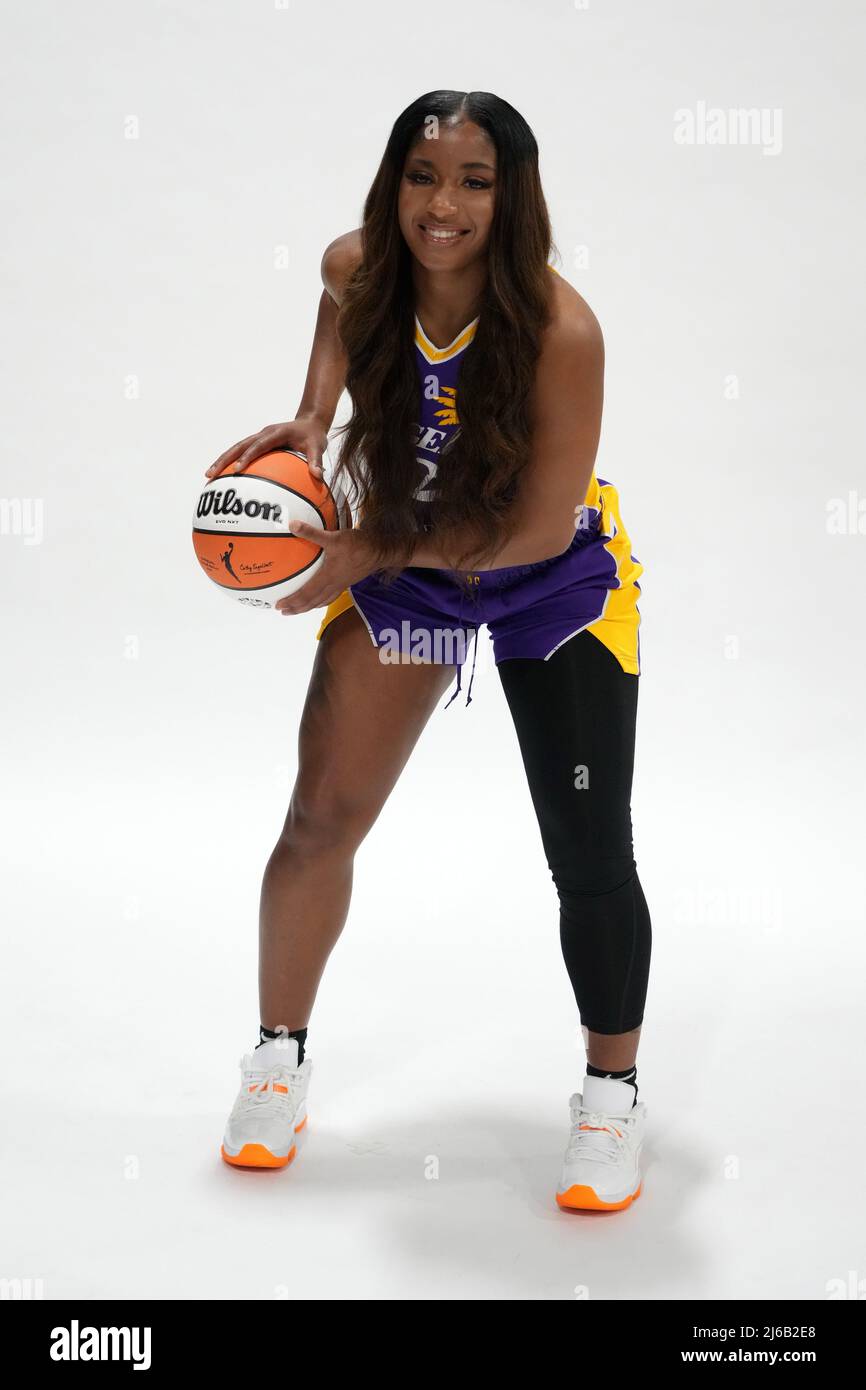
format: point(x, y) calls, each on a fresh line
point(340, 260)
point(570, 367)
point(573, 327)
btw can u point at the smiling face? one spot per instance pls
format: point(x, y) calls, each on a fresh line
point(447, 193)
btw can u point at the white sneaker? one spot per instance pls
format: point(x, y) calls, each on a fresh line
point(601, 1171)
point(271, 1107)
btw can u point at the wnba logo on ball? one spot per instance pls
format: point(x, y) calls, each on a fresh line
point(213, 503)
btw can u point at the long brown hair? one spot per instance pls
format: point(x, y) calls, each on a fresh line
point(376, 324)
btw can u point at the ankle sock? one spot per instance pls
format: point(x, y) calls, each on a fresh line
point(629, 1076)
point(300, 1035)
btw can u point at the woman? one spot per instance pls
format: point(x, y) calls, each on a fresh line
point(478, 503)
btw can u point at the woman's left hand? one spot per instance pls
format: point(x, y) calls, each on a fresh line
point(348, 558)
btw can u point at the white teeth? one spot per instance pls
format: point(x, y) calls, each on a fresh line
point(442, 236)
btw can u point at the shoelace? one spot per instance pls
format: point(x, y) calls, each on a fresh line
point(261, 1087)
point(596, 1136)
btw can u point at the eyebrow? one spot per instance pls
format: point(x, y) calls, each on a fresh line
point(471, 164)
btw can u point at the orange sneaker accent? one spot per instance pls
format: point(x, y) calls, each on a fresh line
point(581, 1198)
point(259, 1085)
point(299, 1127)
point(257, 1156)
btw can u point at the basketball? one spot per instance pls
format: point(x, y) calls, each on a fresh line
point(240, 530)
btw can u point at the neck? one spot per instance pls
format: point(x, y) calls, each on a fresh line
point(447, 300)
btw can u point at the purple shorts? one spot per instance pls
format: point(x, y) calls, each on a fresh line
point(431, 615)
point(529, 610)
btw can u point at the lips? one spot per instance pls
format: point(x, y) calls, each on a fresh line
point(442, 236)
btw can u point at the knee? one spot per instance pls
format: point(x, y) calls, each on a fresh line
point(322, 821)
point(582, 878)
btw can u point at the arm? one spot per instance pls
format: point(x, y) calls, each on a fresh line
point(565, 408)
point(326, 373)
point(326, 377)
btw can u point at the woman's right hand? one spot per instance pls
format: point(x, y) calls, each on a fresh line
point(307, 435)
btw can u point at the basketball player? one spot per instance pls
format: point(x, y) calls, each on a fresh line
point(475, 373)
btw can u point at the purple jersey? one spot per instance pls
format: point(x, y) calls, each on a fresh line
point(438, 370)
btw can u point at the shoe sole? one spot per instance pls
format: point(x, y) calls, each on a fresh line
point(258, 1156)
point(582, 1198)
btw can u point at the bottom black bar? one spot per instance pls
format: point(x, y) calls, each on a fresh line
point(233, 1339)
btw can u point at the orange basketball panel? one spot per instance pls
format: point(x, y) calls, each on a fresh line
point(252, 562)
point(291, 471)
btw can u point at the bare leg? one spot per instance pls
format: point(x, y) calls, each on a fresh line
point(361, 720)
point(613, 1051)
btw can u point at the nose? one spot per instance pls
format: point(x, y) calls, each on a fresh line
point(442, 205)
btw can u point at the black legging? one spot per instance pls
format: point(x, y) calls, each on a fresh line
point(576, 711)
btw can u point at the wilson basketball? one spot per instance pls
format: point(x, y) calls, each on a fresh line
point(240, 530)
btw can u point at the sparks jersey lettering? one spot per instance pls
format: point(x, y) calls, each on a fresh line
point(438, 370)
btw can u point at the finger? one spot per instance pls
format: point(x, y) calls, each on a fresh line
point(313, 459)
point(302, 600)
point(305, 532)
point(230, 454)
point(308, 595)
point(320, 600)
point(318, 589)
point(261, 444)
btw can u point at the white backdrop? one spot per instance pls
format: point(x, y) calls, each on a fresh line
point(175, 172)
